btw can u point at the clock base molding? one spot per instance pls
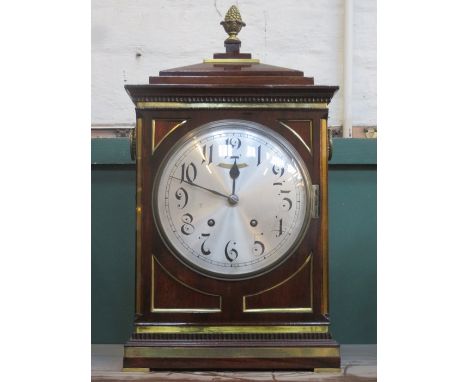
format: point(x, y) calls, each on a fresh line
point(232, 351)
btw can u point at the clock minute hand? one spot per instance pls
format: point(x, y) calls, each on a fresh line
point(203, 188)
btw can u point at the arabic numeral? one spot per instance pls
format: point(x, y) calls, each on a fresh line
point(210, 154)
point(279, 231)
point(258, 248)
point(230, 252)
point(234, 142)
point(205, 251)
point(287, 204)
point(188, 173)
point(187, 227)
point(279, 171)
point(181, 194)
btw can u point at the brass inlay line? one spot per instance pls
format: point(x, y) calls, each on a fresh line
point(324, 211)
point(227, 105)
point(179, 310)
point(231, 329)
point(153, 128)
point(238, 352)
point(310, 145)
point(279, 310)
point(231, 61)
point(327, 370)
point(136, 369)
point(138, 307)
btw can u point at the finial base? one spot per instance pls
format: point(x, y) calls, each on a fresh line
point(232, 55)
point(232, 46)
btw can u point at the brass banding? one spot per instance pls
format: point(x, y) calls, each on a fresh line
point(226, 105)
point(232, 329)
point(231, 61)
point(139, 146)
point(324, 210)
point(238, 352)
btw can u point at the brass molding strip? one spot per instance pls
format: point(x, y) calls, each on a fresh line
point(324, 211)
point(231, 61)
point(136, 369)
point(179, 310)
point(226, 105)
point(279, 310)
point(310, 145)
point(231, 329)
point(138, 303)
point(327, 370)
point(237, 352)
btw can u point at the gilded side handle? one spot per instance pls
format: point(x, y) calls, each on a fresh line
point(133, 144)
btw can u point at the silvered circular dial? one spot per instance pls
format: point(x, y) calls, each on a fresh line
point(231, 199)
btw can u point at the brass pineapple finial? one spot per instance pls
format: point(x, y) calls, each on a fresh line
point(232, 24)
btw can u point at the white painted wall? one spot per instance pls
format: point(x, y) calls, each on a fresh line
point(302, 34)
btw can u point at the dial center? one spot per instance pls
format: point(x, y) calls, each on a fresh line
point(233, 199)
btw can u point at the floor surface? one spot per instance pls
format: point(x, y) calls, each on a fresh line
point(358, 364)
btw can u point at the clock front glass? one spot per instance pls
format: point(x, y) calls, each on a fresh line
point(231, 199)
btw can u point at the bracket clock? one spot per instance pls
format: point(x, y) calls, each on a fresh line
point(232, 222)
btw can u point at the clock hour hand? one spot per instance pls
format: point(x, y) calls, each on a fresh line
point(234, 174)
point(203, 188)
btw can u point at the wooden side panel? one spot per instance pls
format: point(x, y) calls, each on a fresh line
point(303, 128)
point(294, 294)
point(161, 128)
point(171, 295)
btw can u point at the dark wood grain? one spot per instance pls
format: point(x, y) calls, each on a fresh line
point(168, 292)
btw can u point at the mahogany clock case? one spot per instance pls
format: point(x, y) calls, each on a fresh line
point(277, 320)
point(293, 292)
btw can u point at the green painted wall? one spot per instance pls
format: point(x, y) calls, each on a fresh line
point(353, 241)
point(112, 252)
point(353, 249)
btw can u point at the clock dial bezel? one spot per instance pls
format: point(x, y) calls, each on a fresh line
point(265, 132)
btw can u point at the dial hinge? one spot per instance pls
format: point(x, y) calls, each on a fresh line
point(315, 189)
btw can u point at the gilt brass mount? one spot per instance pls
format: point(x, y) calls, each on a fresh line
point(133, 144)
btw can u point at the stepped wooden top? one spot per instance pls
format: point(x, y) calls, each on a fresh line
point(231, 74)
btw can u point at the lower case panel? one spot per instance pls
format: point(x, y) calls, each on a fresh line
point(231, 351)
